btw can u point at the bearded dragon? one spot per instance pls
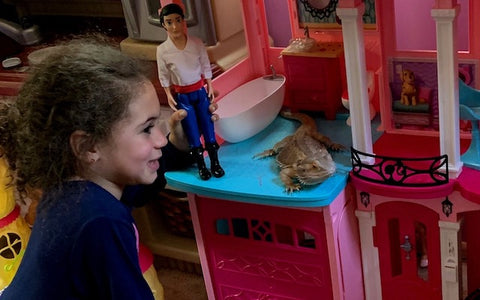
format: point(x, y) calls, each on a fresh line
point(303, 156)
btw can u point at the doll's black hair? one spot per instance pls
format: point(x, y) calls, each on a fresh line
point(169, 9)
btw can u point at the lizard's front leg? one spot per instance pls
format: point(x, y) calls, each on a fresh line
point(287, 175)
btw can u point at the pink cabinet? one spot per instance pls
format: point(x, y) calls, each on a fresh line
point(314, 80)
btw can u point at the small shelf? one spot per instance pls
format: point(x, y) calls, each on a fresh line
point(158, 239)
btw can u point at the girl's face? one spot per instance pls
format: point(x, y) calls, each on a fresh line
point(130, 156)
point(173, 24)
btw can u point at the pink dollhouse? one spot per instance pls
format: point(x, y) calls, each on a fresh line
point(399, 222)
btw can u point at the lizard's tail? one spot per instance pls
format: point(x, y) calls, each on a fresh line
point(309, 127)
point(305, 119)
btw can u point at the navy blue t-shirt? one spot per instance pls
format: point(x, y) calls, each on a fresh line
point(83, 246)
point(83, 243)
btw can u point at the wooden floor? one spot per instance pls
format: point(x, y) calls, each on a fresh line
point(178, 285)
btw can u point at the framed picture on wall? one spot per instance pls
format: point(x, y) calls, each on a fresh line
point(321, 14)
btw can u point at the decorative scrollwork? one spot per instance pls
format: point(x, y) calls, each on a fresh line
point(414, 172)
point(321, 13)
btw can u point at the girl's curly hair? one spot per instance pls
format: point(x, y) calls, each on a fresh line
point(84, 85)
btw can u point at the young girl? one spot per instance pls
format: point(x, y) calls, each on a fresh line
point(84, 126)
point(183, 65)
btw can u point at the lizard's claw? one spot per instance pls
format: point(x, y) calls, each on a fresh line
point(292, 188)
point(266, 153)
point(337, 147)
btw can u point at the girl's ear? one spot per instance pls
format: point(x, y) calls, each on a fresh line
point(82, 147)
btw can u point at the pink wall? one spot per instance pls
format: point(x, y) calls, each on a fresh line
point(278, 22)
point(415, 28)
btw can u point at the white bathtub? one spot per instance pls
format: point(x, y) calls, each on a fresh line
point(249, 108)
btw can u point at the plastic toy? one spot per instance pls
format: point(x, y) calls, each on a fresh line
point(409, 91)
point(371, 93)
point(416, 237)
point(470, 110)
point(183, 65)
point(259, 101)
point(304, 44)
point(14, 231)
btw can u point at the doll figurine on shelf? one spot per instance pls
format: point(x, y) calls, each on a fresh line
point(183, 66)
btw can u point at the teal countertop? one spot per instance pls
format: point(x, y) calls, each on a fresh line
point(257, 180)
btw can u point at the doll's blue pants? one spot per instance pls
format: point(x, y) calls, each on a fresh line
point(199, 118)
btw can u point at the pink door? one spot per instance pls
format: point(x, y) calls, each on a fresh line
point(408, 241)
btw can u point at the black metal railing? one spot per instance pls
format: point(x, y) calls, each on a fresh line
point(413, 172)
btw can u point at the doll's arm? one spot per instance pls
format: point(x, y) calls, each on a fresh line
point(171, 101)
point(206, 70)
point(210, 90)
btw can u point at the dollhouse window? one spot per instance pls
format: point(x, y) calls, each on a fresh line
point(222, 227)
point(240, 228)
point(411, 36)
point(284, 234)
point(305, 239)
point(261, 231)
point(265, 231)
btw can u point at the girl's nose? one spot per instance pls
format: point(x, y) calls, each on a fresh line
point(159, 138)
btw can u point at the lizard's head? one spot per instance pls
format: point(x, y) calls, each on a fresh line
point(315, 170)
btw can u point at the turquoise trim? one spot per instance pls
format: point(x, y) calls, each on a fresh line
point(256, 180)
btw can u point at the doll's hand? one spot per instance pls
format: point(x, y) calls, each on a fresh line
point(211, 96)
point(172, 103)
point(177, 136)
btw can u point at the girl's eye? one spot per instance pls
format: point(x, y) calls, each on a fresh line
point(148, 129)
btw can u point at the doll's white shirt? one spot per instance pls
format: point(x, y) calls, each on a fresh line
point(182, 67)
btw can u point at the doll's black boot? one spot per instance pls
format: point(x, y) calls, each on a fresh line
point(204, 173)
point(215, 167)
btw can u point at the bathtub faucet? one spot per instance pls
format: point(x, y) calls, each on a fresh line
point(274, 74)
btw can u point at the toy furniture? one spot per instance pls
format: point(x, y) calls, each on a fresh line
point(424, 114)
point(371, 94)
point(255, 241)
point(420, 114)
point(314, 78)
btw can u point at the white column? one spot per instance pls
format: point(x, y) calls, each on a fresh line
point(353, 43)
point(371, 265)
point(447, 67)
point(451, 265)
